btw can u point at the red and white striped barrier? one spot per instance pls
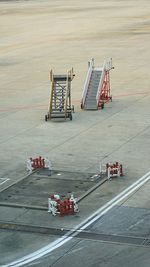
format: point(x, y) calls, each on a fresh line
point(112, 169)
point(38, 163)
point(62, 207)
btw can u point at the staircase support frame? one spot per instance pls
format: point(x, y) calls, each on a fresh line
point(105, 96)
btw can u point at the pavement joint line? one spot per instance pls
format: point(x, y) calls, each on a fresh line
point(16, 205)
point(120, 239)
point(88, 192)
point(82, 226)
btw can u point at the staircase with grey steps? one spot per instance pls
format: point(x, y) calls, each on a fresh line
point(90, 102)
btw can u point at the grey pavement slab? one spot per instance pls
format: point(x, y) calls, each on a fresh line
point(125, 221)
point(7, 214)
point(16, 244)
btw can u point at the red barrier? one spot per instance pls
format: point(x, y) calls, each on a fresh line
point(66, 207)
point(114, 169)
point(38, 163)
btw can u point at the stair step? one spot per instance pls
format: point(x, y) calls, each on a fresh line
point(60, 96)
point(91, 103)
point(91, 98)
point(90, 107)
point(93, 85)
point(92, 89)
point(90, 94)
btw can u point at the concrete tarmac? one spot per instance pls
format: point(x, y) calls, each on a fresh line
point(43, 35)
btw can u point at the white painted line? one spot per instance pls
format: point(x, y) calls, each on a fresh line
point(3, 180)
point(91, 219)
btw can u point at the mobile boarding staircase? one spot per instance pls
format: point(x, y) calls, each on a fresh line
point(60, 96)
point(96, 90)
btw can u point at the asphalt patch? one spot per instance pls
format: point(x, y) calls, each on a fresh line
point(35, 189)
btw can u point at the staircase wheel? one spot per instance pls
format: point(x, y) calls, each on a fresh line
point(70, 116)
point(102, 106)
point(46, 117)
point(73, 108)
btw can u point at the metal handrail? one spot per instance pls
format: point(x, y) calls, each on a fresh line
point(52, 89)
point(100, 83)
point(87, 80)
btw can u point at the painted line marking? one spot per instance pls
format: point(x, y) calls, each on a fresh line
point(3, 180)
point(79, 228)
point(38, 106)
point(130, 94)
point(43, 106)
